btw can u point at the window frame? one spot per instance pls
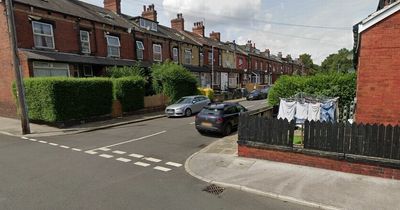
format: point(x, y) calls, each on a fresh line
point(45, 35)
point(139, 49)
point(154, 52)
point(175, 58)
point(113, 46)
point(83, 41)
point(190, 58)
point(91, 74)
point(50, 67)
point(210, 57)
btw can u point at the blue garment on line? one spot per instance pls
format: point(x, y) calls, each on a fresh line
point(328, 112)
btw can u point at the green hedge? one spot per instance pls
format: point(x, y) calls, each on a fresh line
point(329, 84)
point(63, 99)
point(173, 80)
point(130, 92)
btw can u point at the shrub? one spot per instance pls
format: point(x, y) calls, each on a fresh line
point(329, 84)
point(61, 99)
point(130, 92)
point(207, 92)
point(173, 80)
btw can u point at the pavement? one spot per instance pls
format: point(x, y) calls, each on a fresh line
point(218, 163)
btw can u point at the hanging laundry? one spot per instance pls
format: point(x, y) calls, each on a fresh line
point(301, 112)
point(314, 112)
point(328, 112)
point(286, 110)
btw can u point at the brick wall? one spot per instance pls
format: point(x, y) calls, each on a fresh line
point(378, 81)
point(318, 162)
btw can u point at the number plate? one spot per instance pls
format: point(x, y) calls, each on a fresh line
point(205, 124)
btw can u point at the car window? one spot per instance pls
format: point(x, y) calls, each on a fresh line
point(204, 98)
point(230, 110)
point(210, 111)
point(197, 99)
point(240, 108)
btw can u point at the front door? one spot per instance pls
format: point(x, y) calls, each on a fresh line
point(224, 81)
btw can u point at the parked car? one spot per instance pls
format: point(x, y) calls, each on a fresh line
point(186, 106)
point(220, 118)
point(258, 94)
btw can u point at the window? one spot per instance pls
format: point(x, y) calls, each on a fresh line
point(157, 55)
point(220, 59)
point(188, 56)
point(201, 59)
point(139, 50)
point(230, 110)
point(256, 64)
point(113, 46)
point(147, 24)
point(43, 35)
point(87, 71)
point(85, 42)
point(210, 57)
point(240, 62)
point(45, 69)
point(175, 56)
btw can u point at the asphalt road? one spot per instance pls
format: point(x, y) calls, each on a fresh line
point(137, 166)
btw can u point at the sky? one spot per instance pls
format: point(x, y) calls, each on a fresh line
point(316, 27)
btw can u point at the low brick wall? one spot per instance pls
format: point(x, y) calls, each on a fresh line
point(333, 161)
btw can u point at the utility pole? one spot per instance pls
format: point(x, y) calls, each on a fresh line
point(18, 77)
point(212, 67)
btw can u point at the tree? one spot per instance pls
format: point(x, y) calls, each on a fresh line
point(309, 63)
point(340, 61)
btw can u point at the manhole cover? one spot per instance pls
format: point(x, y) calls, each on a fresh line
point(214, 189)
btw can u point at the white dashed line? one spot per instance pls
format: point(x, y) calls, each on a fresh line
point(119, 152)
point(125, 160)
point(53, 144)
point(32, 140)
point(162, 168)
point(91, 152)
point(43, 142)
point(136, 155)
point(152, 159)
point(104, 149)
point(174, 164)
point(106, 156)
point(76, 149)
point(65, 147)
point(141, 164)
point(26, 138)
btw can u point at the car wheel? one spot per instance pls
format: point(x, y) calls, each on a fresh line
point(188, 112)
point(228, 129)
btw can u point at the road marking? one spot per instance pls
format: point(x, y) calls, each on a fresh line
point(142, 164)
point(125, 160)
point(53, 144)
point(91, 152)
point(32, 139)
point(119, 152)
point(65, 147)
point(192, 123)
point(132, 140)
point(104, 149)
point(174, 164)
point(249, 106)
point(136, 155)
point(76, 149)
point(162, 168)
point(43, 142)
point(152, 159)
point(106, 156)
point(23, 137)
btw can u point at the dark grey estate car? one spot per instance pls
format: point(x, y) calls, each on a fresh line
point(220, 118)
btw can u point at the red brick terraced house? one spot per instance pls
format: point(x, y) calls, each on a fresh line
point(377, 53)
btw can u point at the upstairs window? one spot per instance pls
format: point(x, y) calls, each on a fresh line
point(256, 65)
point(157, 54)
point(201, 59)
point(240, 62)
point(188, 57)
point(139, 50)
point(85, 42)
point(175, 56)
point(43, 35)
point(210, 57)
point(220, 59)
point(148, 25)
point(113, 46)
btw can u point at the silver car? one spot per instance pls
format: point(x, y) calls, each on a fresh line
point(186, 106)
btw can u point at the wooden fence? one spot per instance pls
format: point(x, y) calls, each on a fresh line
point(268, 131)
point(367, 140)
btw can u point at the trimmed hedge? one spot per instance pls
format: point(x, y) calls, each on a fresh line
point(329, 84)
point(130, 92)
point(173, 80)
point(62, 99)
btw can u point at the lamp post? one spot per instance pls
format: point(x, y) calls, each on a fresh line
point(212, 67)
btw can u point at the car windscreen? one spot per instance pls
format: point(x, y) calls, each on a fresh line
point(184, 101)
point(255, 92)
point(210, 111)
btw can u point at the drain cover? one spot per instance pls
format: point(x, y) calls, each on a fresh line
point(214, 189)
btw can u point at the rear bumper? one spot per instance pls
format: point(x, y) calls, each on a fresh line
point(217, 129)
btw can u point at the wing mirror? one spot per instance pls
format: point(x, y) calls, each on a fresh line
point(193, 102)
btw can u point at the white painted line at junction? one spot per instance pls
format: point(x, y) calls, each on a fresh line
point(65, 147)
point(43, 142)
point(32, 140)
point(106, 156)
point(249, 106)
point(104, 149)
point(152, 159)
point(119, 152)
point(141, 164)
point(136, 155)
point(132, 140)
point(23, 137)
point(76, 149)
point(192, 123)
point(53, 144)
point(90, 152)
point(125, 160)
point(162, 168)
point(174, 164)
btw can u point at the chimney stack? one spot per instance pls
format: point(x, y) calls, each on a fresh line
point(249, 46)
point(280, 54)
point(149, 13)
point(267, 52)
point(178, 23)
point(199, 28)
point(113, 5)
point(216, 36)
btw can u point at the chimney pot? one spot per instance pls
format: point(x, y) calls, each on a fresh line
point(178, 23)
point(199, 28)
point(149, 13)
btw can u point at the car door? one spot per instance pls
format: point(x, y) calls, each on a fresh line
point(231, 115)
point(205, 101)
point(197, 105)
